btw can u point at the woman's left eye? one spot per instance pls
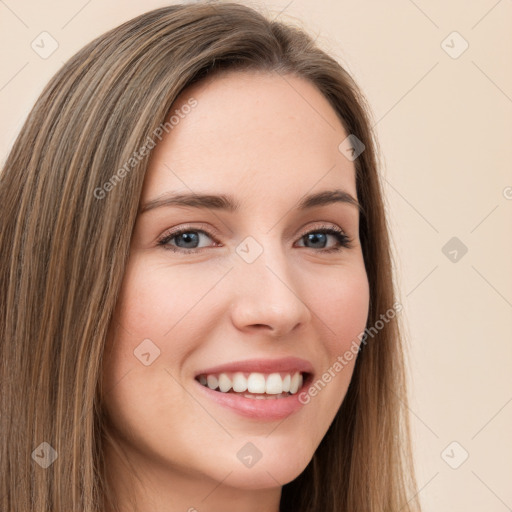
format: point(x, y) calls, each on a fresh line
point(321, 234)
point(189, 239)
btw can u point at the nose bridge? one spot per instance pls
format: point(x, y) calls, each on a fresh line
point(267, 288)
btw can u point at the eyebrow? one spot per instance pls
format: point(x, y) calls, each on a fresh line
point(228, 203)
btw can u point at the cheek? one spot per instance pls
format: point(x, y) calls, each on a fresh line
point(343, 309)
point(147, 297)
point(160, 304)
point(155, 297)
point(141, 314)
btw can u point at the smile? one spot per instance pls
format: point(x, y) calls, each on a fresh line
point(255, 384)
point(255, 395)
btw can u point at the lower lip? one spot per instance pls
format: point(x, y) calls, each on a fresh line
point(259, 409)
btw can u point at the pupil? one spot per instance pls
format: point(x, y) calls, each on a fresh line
point(314, 237)
point(188, 238)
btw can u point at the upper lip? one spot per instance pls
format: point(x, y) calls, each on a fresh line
point(286, 364)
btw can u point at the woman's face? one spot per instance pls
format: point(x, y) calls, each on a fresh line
point(252, 288)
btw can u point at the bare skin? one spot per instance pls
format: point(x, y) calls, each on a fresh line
point(254, 137)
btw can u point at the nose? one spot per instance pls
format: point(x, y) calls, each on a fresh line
point(267, 296)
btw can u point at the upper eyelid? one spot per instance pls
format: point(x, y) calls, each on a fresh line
point(201, 228)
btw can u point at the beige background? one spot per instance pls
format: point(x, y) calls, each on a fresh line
point(445, 128)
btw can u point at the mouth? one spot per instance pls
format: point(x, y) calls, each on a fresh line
point(259, 389)
point(256, 385)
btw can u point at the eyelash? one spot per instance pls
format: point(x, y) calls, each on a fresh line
point(344, 240)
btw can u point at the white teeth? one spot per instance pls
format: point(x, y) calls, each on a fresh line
point(224, 383)
point(274, 384)
point(271, 384)
point(239, 383)
point(212, 381)
point(295, 383)
point(286, 383)
point(256, 383)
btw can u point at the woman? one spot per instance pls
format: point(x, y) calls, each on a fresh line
point(259, 368)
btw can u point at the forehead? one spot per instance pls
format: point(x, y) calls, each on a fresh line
point(249, 133)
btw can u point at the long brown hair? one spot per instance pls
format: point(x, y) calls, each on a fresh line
point(63, 252)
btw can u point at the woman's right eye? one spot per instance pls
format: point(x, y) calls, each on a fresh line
point(189, 238)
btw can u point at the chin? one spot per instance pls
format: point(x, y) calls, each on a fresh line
point(276, 468)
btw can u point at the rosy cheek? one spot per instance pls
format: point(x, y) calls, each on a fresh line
point(346, 312)
point(146, 301)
